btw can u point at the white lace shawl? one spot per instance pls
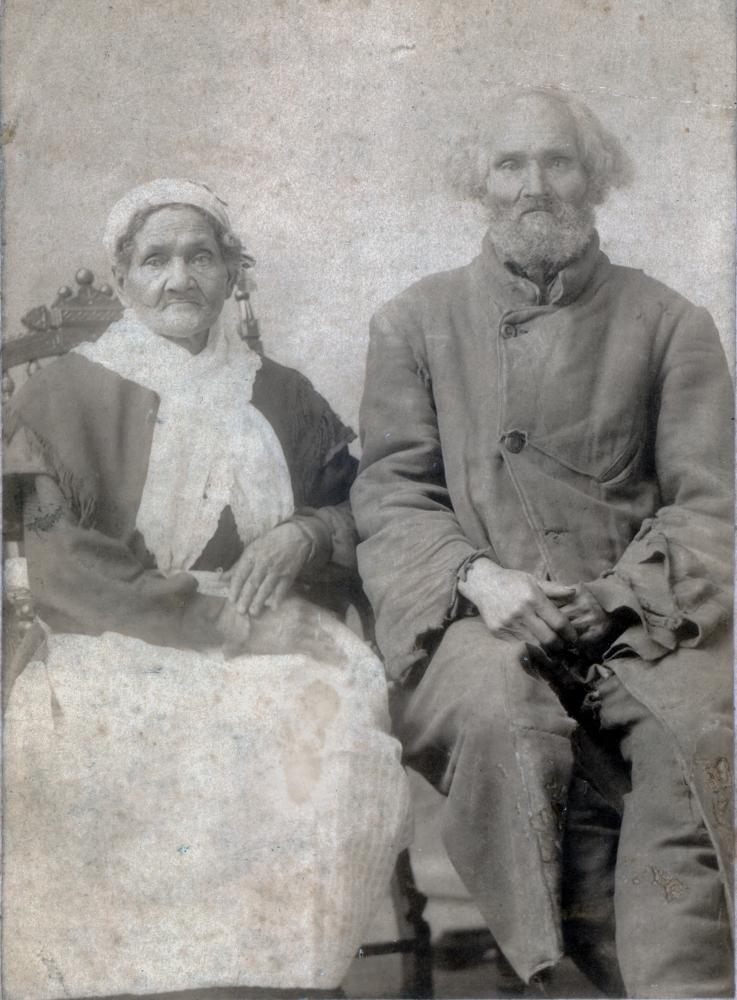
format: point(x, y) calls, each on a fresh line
point(211, 447)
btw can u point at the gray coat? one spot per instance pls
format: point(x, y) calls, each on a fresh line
point(587, 439)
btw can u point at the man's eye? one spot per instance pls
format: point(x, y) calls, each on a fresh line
point(203, 258)
point(561, 162)
point(509, 165)
point(154, 261)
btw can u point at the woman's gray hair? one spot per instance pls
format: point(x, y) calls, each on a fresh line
point(604, 159)
point(230, 246)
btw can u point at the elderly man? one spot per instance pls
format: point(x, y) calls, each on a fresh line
point(545, 503)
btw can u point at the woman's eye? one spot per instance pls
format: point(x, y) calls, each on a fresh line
point(509, 165)
point(203, 259)
point(560, 162)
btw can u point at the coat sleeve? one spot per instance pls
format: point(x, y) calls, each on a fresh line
point(676, 573)
point(412, 546)
point(315, 443)
point(84, 581)
point(329, 509)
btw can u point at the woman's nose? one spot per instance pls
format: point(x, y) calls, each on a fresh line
point(179, 277)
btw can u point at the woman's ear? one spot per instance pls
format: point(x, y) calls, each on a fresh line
point(119, 276)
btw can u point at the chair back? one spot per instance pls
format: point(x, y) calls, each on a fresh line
point(73, 317)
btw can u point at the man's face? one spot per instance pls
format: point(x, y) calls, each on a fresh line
point(537, 187)
point(177, 281)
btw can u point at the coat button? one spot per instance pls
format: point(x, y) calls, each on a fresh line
point(515, 441)
point(509, 330)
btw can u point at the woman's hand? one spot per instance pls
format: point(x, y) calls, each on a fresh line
point(298, 629)
point(265, 572)
point(515, 606)
point(235, 630)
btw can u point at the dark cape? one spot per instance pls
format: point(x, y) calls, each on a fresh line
point(91, 431)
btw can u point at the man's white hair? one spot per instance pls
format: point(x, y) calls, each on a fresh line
point(604, 159)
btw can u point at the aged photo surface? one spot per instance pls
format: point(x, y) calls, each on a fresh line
point(367, 498)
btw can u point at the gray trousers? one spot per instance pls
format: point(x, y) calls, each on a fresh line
point(645, 913)
point(643, 909)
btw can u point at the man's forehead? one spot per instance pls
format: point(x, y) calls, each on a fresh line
point(534, 122)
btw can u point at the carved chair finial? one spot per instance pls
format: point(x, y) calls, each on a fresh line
point(75, 315)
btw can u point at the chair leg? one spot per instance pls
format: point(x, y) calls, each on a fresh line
point(409, 906)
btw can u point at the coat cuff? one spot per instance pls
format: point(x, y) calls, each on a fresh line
point(654, 635)
point(614, 595)
point(339, 528)
point(408, 631)
point(460, 606)
point(318, 535)
point(647, 638)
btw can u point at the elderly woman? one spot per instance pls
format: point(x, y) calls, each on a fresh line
point(201, 788)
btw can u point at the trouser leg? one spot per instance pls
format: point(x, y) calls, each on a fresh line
point(673, 937)
point(589, 857)
point(492, 737)
point(667, 898)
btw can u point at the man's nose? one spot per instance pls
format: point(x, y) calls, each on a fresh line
point(179, 277)
point(535, 179)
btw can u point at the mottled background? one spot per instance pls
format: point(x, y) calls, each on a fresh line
point(324, 124)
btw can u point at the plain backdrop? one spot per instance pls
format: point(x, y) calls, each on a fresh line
point(324, 125)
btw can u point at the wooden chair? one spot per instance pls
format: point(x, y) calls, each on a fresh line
point(82, 315)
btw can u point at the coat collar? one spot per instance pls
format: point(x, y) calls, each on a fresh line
point(512, 290)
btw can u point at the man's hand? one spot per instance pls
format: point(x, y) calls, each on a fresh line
point(267, 569)
point(592, 623)
point(515, 606)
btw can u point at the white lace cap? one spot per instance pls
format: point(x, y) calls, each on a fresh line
point(156, 194)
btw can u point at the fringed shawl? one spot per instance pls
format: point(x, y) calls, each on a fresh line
point(91, 430)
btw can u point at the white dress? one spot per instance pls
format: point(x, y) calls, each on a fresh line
point(178, 821)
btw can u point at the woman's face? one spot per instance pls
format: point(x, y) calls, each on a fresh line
point(177, 281)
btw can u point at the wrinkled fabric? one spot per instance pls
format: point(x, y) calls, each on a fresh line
point(662, 902)
point(587, 439)
point(493, 738)
point(175, 821)
point(583, 434)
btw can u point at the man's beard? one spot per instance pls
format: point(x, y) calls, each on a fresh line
point(541, 239)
